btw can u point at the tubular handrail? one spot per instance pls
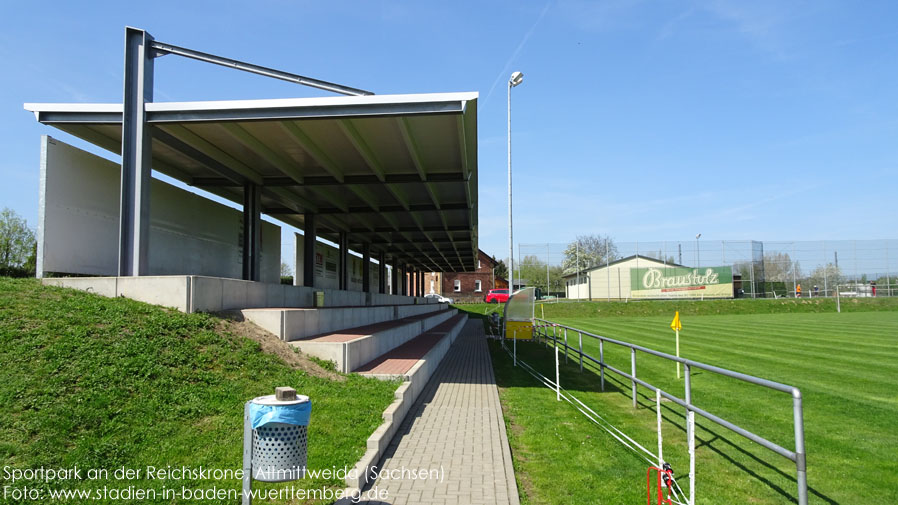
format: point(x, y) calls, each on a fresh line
point(797, 456)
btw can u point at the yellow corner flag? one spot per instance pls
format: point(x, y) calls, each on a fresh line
point(675, 324)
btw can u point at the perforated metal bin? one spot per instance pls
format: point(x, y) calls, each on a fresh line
point(276, 437)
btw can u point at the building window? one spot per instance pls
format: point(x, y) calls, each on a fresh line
point(478, 267)
point(477, 286)
point(456, 284)
point(431, 286)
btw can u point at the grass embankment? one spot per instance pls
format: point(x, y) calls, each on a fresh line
point(106, 383)
point(696, 307)
point(845, 364)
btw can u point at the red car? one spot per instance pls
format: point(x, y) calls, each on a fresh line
point(496, 296)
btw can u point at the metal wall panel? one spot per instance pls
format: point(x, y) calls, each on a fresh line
point(327, 267)
point(79, 214)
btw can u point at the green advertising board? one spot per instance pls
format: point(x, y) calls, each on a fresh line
point(681, 282)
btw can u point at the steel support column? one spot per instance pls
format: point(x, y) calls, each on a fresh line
point(134, 217)
point(394, 270)
point(252, 232)
point(308, 257)
point(343, 268)
point(366, 267)
point(382, 273)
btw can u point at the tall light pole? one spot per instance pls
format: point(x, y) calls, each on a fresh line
point(697, 253)
point(515, 79)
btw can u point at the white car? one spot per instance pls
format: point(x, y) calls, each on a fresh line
point(438, 297)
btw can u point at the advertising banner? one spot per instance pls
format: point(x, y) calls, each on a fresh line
point(681, 282)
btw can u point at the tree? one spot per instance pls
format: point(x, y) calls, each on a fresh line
point(17, 243)
point(286, 271)
point(591, 250)
point(501, 269)
point(825, 277)
point(779, 267)
point(533, 270)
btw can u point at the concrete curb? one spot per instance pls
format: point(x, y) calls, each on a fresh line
point(406, 395)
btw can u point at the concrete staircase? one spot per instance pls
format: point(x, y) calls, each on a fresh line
point(350, 336)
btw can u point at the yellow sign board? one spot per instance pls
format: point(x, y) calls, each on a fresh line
point(520, 330)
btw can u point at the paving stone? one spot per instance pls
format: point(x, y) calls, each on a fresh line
point(457, 426)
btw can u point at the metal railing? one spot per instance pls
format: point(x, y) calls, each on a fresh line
point(541, 329)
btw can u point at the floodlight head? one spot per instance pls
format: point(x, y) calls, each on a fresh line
point(698, 236)
point(515, 79)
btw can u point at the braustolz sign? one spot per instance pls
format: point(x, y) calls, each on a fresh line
point(680, 282)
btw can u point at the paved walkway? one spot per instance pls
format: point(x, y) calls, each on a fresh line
point(455, 428)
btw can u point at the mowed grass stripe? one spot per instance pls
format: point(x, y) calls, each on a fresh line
point(853, 377)
point(706, 340)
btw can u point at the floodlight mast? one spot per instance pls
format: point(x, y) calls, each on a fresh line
point(515, 79)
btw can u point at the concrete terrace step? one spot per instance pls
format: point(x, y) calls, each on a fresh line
point(350, 348)
point(401, 360)
point(297, 323)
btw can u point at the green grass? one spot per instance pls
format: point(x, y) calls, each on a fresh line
point(105, 383)
point(845, 364)
point(696, 307)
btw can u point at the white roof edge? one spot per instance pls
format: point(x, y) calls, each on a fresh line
point(260, 104)
point(73, 107)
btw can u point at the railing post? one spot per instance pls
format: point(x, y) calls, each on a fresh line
point(660, 438)
point(690, 431)
point(557, 376)
point(801, 474)
point(581, 350)
point(565, 346)
point(515, 345)
point(633, 373)
point(602, 363)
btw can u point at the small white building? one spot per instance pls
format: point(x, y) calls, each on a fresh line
point(648, 278)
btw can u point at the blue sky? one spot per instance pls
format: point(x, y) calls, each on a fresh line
point(642, 120)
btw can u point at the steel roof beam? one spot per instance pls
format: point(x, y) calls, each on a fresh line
point(413, 229)
point(200, 157)
point(312, 148)
point(238, 133)
point(324, 180)
point(162, 48)
point(181, 135)
point(362, 148)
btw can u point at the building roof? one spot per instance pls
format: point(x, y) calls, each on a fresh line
point(489, 258)
point(397, 172)
point(628, 258)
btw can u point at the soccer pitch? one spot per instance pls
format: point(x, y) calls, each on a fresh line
point(846, 366)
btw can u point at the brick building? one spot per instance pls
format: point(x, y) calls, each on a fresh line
point(465, 286)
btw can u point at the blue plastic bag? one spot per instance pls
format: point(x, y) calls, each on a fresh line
point(297, 414)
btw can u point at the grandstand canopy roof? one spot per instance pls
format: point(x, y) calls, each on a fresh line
point(397, 172)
